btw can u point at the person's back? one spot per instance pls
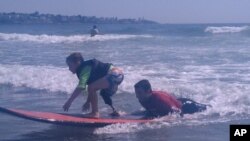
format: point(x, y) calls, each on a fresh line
point(159, 103)
point(156, 103)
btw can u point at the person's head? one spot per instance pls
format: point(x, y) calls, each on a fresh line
point(94, 26)
point(143, 89)
point(74, 60)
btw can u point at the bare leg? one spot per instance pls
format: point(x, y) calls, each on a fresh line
point(92, 89)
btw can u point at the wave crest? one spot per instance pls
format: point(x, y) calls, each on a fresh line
point(44, 38)
point(226, 29)
point(38, 77)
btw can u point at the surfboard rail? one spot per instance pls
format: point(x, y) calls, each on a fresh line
point(66, 119)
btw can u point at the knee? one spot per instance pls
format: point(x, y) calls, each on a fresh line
point(91, 89)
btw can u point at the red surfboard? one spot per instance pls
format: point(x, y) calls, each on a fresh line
point(67, 119)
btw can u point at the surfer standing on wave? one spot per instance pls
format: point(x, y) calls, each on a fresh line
point(159, 103)
point(94, 31)
point(98, 76)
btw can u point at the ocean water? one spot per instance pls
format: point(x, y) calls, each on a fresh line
point(209, 63)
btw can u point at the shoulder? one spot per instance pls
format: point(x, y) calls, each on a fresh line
point(90, 62)
point(160, 94)
point(163, 96)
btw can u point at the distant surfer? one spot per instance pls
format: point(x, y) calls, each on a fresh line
point(159, 103)
point(98, 76)
point(94, 31)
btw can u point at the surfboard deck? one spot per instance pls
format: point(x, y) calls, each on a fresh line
point(68, 119)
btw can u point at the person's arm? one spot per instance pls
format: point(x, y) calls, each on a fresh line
point(76, 92)
point(84, 76)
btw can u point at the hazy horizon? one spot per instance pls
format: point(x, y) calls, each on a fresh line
point(161, 11)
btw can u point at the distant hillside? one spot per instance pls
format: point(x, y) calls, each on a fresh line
point(22, 18)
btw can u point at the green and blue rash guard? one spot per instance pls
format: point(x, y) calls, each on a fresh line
point(84, 76)
point(90, 71)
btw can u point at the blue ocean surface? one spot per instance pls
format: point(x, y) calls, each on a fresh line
point(209, 63)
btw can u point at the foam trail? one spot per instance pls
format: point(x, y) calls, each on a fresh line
point(44, 38)
point(226, 29)
point(158, 123)
point(131, 128)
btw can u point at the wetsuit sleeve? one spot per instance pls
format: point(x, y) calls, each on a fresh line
point(84, 76)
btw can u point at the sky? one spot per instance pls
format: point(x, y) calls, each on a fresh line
point(162, 11)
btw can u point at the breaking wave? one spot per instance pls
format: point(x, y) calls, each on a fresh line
point(226, 29)
point(44, 38)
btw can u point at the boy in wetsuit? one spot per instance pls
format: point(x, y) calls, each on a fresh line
point(98, 76)
point(158, 103)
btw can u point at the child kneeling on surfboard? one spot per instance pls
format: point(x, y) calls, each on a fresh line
point(159, 103)
point(98, 76)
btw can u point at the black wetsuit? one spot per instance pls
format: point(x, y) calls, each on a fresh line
point(189, 106)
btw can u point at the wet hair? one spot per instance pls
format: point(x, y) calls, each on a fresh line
point(143, 84)
point(75, 57)
point(94, 26)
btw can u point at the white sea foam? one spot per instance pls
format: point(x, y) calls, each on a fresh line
point(226, 29)
point(136, 127)
point(118, 128)
point(44, 38)
point(227, 92)
point(38, 77)
point(55, 78)
point(196, 119)
point(158, 123)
